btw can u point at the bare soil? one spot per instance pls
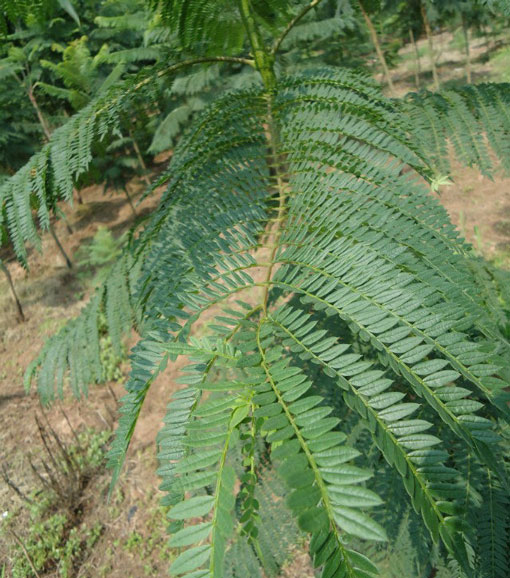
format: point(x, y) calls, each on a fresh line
point(480, 208)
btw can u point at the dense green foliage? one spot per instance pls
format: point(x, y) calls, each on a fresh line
point(358, 347)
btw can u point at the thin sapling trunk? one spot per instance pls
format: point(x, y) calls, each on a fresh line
point(428, 32)
point(378, 49)
point(12, 288)
point(69, 263)
point(465, 31)
point(417, 64)
point(130, 200)
point(40, 116)
point(140, 159)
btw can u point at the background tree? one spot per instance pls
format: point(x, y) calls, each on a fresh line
point(470, 14)
point(365, 7)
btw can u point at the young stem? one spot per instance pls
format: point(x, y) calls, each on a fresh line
point(14, 487)
point(292, 23)
point(428, 32)
point(69, 263)
point(21, 315)
point(280, 186)
point(62, 216)
point(40, 116)
point(264, 60)
point(20, 543)
point(378, 49)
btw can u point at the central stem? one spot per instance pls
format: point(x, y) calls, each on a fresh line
point(264, 61)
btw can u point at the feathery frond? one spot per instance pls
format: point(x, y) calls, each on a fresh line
point(356, 242)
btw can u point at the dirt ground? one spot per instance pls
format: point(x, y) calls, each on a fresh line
point(51, 294)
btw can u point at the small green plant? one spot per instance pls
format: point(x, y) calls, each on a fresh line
point(99, 255)
point(51, 545)
point(501, 259)
point(111, 362)
point(89, 452)
point(480, 245)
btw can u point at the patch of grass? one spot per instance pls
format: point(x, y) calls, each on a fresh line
point(50, 326)
point(500, 65)
point(152, 541)
point(458, 41)
point(423, 50)
point(51, 545)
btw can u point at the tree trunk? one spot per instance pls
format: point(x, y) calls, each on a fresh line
point(428, 32)
point(465, 31)
point(68, 261)
point(61, 215)
point(417, 64)
point(19, 309)
point(377, 46)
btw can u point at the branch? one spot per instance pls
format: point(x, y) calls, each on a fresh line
point(193, 61)
point(291, 25)
point(175, 68)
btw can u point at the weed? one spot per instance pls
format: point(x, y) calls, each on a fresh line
point(51, 545)
point(479, 240)
point(110, 360)
point(502, 228)
point(55, 540)
point(98, 256)
point(500, 64)
point(90, 453)
point(135, 544)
